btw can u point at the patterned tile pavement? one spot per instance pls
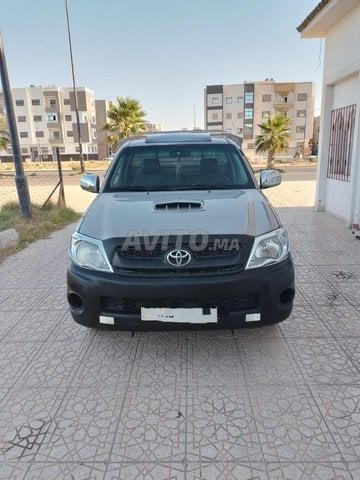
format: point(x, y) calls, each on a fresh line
point(281, 402)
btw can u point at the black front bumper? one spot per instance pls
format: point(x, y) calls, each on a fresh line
point(268, 291)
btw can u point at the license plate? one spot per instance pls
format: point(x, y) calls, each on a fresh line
point(179, 315)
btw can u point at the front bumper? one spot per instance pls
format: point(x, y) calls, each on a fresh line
point(267, 291)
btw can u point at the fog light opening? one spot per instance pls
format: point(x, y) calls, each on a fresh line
point(287, 296)
point(75, 301)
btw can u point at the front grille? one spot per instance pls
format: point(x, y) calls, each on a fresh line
point(225, 305)
point(146, 256)
point(212, 249)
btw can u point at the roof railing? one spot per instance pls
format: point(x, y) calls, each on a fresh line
point(218, 133)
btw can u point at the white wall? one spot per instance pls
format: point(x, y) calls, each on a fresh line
point(341, 86)
point(342, 55)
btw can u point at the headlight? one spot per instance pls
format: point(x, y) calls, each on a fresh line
point(269, 248)
point(88, 253)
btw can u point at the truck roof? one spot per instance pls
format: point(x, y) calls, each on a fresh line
point(181, 137)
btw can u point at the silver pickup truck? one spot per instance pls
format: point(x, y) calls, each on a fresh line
point(180, 236)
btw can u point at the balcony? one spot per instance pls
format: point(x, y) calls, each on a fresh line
point(282, 101)
point(53, 120)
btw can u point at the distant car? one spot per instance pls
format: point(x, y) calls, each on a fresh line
point(180, 236)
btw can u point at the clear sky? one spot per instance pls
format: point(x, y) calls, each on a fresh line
point(161, 52)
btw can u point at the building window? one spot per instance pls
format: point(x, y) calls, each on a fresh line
point(301, 113)
point(39, 134)
point(37, 118)
point(24, 135)
point(249, 97)
point(35, 102)
point(56, 134)
point(44, 149)
point(20, 103)
point(22, 118)
point(52, 103)
point(52, 117)
point(93, 119)
point(228, 116)
point(24, 150)
point(214, 116)
point(228, 100)
point(77, 149)
point(66, 101)
point(266, 98)
point(265, 115)
point(240, 99)
point(240, 115)
point(239, 130)
point(341, 141)
point(215, 101)
point(302, 97)
point(68, 118)
point(61, 149)
point(94, 133)
point(249, 112)
point(300, 129)
point(250, 145)
point(69, 133)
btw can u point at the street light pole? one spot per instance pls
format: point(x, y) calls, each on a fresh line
point(20, 179)
point(82, 168)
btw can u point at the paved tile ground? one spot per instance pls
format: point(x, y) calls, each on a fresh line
point(275, 403)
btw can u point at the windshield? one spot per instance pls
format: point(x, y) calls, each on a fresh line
point(179, 167)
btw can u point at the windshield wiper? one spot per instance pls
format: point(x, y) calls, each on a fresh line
point(223, 187)
point(132, 188)
point(206, 187)
point(194, 186)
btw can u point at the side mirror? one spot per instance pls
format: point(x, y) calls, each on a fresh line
point(269, 178)
point(90, 183)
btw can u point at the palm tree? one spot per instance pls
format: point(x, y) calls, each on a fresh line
point(274, 138)
point(4, 136)
point(126, 118)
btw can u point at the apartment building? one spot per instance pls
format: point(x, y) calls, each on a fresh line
point(46, 118)
point(239, 109)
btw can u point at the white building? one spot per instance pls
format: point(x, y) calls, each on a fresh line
point(338, 181)
point(45, 118)
point(239, 108)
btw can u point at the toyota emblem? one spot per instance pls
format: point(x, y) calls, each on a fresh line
point(178, 258)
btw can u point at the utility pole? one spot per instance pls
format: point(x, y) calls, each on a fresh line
point(81, 158)
point(20, 179)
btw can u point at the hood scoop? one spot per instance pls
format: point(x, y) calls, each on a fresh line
point(178, 206)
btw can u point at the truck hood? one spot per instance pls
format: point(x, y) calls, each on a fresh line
point(218, 212)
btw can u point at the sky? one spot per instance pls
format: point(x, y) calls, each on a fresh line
point(160, 52)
